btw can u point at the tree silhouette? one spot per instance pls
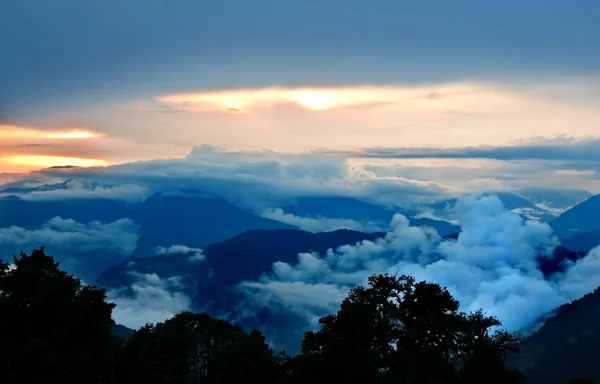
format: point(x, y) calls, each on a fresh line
point(196, 348)
point(52, 328)
point(396, 330)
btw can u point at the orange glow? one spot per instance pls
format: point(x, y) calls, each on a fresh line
point(413, 100)
point(14, 132)
point(70, 135)
point(40, 161)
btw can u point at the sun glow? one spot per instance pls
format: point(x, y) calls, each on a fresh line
point(408, 99)
point(41, 161)
point(70, 135)
point(14, 132)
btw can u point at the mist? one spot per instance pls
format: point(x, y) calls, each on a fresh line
point(493, 265)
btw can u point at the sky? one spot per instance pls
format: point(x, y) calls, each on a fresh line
point(479, 92)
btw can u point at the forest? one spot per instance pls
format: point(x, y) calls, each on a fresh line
point(55, 329)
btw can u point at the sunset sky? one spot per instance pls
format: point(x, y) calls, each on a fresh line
point(423, 83)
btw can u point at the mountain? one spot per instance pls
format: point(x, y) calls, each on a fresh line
point(213, 283)
point(194, 221)
point(554, 198)
point(565, 346)
point(584, 217)
point(243, 257)
point(583, 242)
point(531, 203)
point(336, 207)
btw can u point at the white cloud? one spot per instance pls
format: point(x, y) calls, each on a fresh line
point(151, 300)
point(492, 265)
point(258, 180)
point(321, 224)
point(84, 249)
point(118, 236)
point(196, 253)
point(84, 189)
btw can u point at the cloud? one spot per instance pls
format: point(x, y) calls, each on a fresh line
point(264, 180)
point(82, 248)
point(257, 180)
point(493, 265)
point(321, 224)
point(150, 299)
point(196, 253)
point(86, 189)
point(562, 148)
point(119, 236)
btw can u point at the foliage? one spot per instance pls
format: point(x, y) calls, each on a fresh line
point(53, 329)
point(395, 330)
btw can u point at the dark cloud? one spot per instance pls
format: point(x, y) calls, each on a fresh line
point(565, 149)
point(58, 50)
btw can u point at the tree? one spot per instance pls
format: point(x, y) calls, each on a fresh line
point(53, 329)
point(196, 348)
point(397, 330)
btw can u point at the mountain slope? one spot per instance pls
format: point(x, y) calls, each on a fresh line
point(565, 346)
point(583, 242)
point(245, 256)
point(584, 217)
point(336, 207)
point(193, 221)
point(163, 221)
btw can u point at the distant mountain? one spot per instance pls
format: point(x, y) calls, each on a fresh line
point(555, 198)
point(510, 200)
point(584, 217)
point(540, 204)
point(338, 207)
point(193, 221)
point(583, 242)
point(243, 257)
point(212, 283)
point(565, 346)
point(164, 221)
point(335, 207)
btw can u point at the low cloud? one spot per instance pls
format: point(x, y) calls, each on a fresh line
point(321, 224)
point(256, 180)
point(84, 248)
point(150, 299)
point(196, 254)
point(85, 189)
point(493, 265)
point(119, 236)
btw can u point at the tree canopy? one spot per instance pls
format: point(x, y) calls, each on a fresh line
point(55, 329)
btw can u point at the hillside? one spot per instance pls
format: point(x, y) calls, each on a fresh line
point(566, 345)
point(245, 256)
point(580, 219)
point(336, 207)
point(582, 242)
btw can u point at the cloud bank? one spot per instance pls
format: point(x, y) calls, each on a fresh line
point(195, 254)
point(321, 224)
point(493, 265)
point(263, 181)
point(82, 248)
point(150, 300)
